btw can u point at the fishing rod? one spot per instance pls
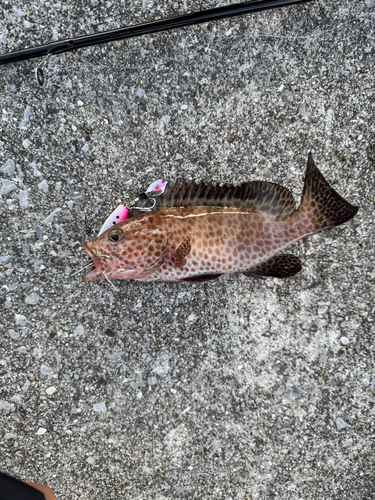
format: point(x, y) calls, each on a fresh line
point(203, 16)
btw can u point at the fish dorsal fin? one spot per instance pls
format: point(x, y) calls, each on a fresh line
point(255, 195)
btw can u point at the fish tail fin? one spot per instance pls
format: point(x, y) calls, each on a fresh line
point(320, 203)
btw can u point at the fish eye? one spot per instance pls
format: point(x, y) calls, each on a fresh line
point(116, 235)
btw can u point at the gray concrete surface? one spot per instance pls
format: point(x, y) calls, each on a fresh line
point(231, 389)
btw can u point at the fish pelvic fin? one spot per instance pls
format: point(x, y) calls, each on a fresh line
point(200, 278)
point(320, 203)
point(278, 266)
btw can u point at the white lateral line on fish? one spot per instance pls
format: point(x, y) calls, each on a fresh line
point(206, 213)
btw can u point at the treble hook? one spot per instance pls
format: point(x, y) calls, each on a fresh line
point(144, 209)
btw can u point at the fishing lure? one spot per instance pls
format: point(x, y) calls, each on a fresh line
point(121, 213)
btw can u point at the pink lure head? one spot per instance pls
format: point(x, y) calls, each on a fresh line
point(118, 215)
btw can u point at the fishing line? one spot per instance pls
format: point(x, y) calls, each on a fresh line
point(79, 270)
point(95, 65)
point(110, 282)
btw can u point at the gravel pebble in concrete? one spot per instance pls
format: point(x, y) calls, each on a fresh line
point(257, 395)
point(8, 167)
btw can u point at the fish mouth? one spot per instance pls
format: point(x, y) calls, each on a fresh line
point(93, 274)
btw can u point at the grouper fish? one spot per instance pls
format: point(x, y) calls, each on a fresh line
point(200, 231)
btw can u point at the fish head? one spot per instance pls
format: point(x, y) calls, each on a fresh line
point(126, 251)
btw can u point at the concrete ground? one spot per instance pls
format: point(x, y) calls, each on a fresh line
point(232, 389)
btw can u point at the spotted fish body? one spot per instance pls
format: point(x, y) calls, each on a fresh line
point(200, 231)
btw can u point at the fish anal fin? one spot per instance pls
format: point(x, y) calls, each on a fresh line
point(279, 266)
point(181, 252)
point(201, 278)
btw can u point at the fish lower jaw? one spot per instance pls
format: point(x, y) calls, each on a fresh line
point(129, 274)
point(93, 275)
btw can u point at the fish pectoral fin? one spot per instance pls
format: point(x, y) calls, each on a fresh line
point(279, 266)
point(202, 278)
point(181, 252)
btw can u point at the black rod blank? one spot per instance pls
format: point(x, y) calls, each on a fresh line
point(203, 16)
